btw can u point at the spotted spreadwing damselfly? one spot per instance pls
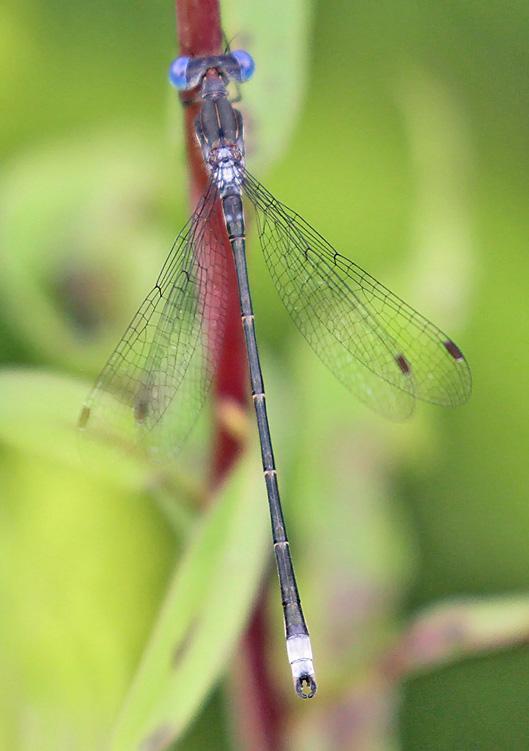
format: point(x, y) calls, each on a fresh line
point(158, 376)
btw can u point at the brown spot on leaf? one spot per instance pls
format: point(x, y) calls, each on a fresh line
point(159, 739)
point(183, 645)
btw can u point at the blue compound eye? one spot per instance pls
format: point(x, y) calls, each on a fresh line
point(178, 72)
point(246, 64)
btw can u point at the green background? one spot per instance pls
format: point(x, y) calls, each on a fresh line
point(399, 129)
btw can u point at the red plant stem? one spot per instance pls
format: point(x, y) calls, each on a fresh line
point(199, 27)
point(260, 721)
point(200, 33)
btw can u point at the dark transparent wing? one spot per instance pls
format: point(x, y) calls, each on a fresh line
point(157, 378)
point(375, 343)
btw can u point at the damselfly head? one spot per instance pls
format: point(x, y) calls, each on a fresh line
point(246, 65)
point(187, 72)
point(178, 73)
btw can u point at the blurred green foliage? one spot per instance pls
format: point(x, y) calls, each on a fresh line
point(410, 126)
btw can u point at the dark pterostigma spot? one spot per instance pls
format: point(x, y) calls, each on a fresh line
point(453, 349)
point(159, 739)
point(403, 364)
point(141, 410)
point(84, 417)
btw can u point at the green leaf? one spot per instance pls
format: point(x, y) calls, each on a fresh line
point(90, 202)
point(277, 35)
point(38, 415)
point(460, 628)
point(204, 613)
point(83, 566)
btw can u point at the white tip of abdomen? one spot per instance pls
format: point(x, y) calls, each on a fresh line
point(299, 653)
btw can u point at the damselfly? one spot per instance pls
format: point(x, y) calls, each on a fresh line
point(158, 376)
